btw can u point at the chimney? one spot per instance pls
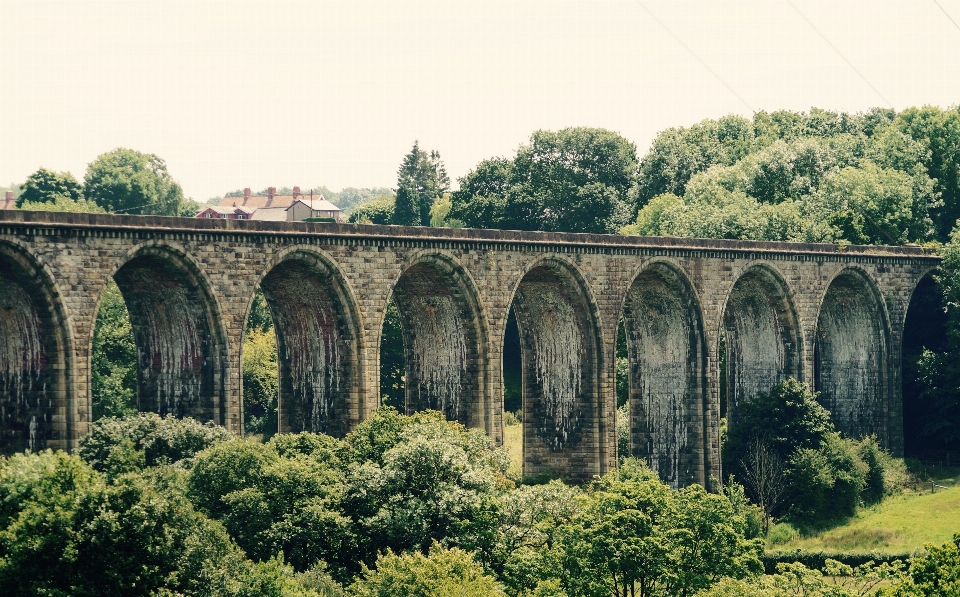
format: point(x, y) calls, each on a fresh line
point(8, 202)
point(296, 192)
point(271, 191)
point(246, 195)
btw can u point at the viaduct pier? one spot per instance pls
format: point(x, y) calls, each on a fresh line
point(829, 315)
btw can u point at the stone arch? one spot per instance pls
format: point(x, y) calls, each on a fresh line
point(851, 352)
point(924, 328)
point(561, 346)
point(444, 339)
point(178, 331)
point(761, 328)
point(668, 388)
point(36, 357)
point(318, 342)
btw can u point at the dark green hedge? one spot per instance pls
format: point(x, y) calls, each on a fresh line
point(816, 559)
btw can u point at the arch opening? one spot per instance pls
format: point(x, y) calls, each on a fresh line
point(667, 385)
point(559, 342)
point(761, 337)
point(442, 337)
point(317, 346)
point(180, 352)
point(924, 345)
point(850, 353)
point(33, 359)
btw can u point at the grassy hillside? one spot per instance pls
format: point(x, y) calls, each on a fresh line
point(900, 524)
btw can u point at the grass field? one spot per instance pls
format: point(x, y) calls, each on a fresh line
point(900, 524)
point(513, 442)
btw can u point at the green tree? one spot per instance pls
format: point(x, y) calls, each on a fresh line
point(67, 530)
point(442, 573)
point(162, 440)
point(937, 406)
point(406, 209)
point(811, 177)
point(113, 371)
point(440, 214)
point(62, 203)
point(350, 198)
point(634, 536)
point(481, 200)
point(874, 205)
point(679, 153)
point(378, 210)
point(130, 182)
point(435, 481)
point(788, 418)
point(393, 364)
point(45, 186)
point(421, 180)
point(936, 573)
point(573, 180)
point(938, 132)
point(260, 381)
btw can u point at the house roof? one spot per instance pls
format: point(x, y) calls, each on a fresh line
point(227, 210)
point(262, 201)
point(258, 201)
point(271, 214)
point(320, 204)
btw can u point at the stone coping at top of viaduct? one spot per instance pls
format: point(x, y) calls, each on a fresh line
point(463, 235)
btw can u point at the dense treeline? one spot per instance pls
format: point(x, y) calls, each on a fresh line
point(404, 505)
point(879, 177)
point(120, 181)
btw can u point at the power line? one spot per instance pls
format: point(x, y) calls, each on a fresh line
point(948, 14)
point(839, 53)
point(694, 54)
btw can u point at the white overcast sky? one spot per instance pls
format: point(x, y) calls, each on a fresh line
point(256, 94)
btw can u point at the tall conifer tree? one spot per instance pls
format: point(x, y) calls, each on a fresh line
point(422, 179)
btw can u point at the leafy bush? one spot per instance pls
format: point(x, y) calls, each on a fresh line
point(875, 486)
point(824, 485)
point(160, 439)
point(66, 530)
point(260, 381)
point(631, 530)
point(442, 573)
point(781, 533)
point(816, 560)
point(935, 574)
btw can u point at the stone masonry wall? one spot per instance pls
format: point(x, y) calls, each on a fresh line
point(227, 260)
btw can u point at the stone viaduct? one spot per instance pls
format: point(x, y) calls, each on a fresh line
point(829, 315)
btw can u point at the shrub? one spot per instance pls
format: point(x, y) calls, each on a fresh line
point(510, 418)
point(875, 483)
point(936, 574)
point(824, 484)
point(66, 530)
point(161, 439)
point(816, 560)
point(442, 573)
point(781, 533)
